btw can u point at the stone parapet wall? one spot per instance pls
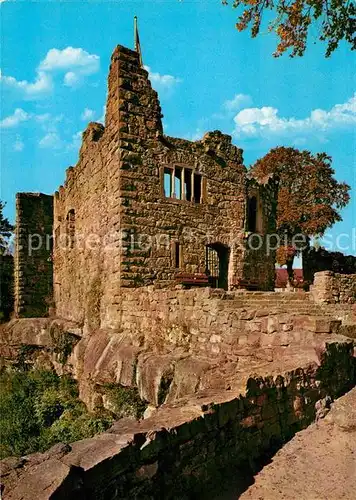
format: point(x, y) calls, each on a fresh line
point(33, 254)
point(190, 448)
point(214, 322)
point(334, 288)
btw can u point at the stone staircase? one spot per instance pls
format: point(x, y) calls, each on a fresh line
point(303, 312)
point(292, 303)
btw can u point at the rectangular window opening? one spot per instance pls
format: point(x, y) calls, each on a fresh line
point(177, 255)
point(197, 188)
point(188, 184)
point(178, 183)
point(167, 182)
point(183, 184)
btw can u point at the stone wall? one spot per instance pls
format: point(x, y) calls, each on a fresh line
point(193, 448)
point(33, 254)
point(172, 343)
point(334, 288)
point(214, 322)
point(116, 226)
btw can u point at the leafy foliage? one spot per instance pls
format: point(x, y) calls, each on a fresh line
point(6, 268)
point(125, 401)
point(6, 229)
point(309, 197)
point(335, 20)
point(39, 409)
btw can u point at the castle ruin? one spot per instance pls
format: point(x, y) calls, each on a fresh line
point(141, 208)
point(149, 269)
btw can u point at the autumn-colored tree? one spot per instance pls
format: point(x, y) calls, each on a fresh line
point(309, 197)
point(293, 19)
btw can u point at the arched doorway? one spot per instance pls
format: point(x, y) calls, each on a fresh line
point(217, 264)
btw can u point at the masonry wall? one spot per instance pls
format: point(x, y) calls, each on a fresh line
point(33, 254)
point(334, 288)
point(82, 219)
point(218, 219)
point(212, 323)
point(197, 450)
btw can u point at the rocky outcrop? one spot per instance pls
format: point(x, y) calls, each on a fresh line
point(174, 343)
point(319, 462)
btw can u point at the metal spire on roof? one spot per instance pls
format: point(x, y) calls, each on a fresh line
point(137, 41)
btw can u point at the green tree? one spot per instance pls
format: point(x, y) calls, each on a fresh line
point(39, 409)
point(309, 198)
point(293, 20)
point(6, 267)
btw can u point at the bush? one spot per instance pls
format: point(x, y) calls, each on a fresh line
point(125, 401)
point(39, 409)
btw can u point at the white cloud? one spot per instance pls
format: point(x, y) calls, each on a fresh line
point(70, 58)
point(102, 118)
point(76, 63)
point(51, 141)
point(88, 114)
point(18, 145)
point(18, 116)
point(40, 87)
point(162, 81)
point(71, 79)
point(266, 120)
point(237, 102)
point(44, 117)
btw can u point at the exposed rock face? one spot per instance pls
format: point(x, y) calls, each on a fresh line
point(319, 462)
point(190, 447)
point(41, 342)
point(174, 343)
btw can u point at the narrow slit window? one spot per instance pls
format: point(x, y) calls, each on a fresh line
point(71, 228)
point(197, 188)
point(177, 255)
point(178, 183)
point(167, 182)
point(188, 184)
point(252, 214)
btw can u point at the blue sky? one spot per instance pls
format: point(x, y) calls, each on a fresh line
point(54, 63)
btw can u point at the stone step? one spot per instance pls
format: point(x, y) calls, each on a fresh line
point(284, 307)
point(287, 323)
point(290, 297)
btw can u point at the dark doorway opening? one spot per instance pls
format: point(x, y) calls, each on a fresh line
point(217, 264)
